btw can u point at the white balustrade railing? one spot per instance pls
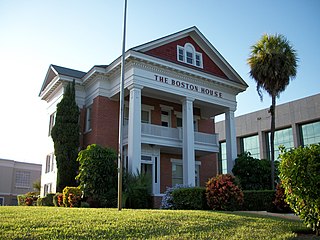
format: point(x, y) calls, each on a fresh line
point(156, 131)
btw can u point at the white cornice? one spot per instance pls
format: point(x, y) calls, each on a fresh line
point(183, 70)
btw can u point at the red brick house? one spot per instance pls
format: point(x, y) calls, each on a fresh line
point(174, 87)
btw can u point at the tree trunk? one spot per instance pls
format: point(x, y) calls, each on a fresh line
point(272, 130)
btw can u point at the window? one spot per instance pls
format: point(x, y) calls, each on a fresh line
point(180, 54)
point(52, 162)
point(165, 118)
point(145, 116)
point(51, 122)
point(310, 133)
point(179, 122)
point(47, 188)
point(23, 179)
point(48, 160)
point(49, 163)
point(177, 173)
point(188, 54)
point(88, 118)
point(223, 158)
point(281, 137)
point(251, 144)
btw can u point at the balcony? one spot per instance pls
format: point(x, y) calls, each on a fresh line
point(172, 137)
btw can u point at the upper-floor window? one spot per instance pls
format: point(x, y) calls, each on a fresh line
point(189, 55)
point(51, 122)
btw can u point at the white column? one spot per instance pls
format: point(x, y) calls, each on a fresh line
point(231, 141)
point(134, 129)
point(188, 142)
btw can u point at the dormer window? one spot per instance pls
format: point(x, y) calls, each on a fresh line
point(188, 54)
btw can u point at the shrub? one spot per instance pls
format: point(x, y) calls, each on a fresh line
point(28, 199)
point(137, 190)
point(223, 194)
point(167, 199)
point(299, 173)
point(258, 200)
point(58, 200)
point(46, 201)
point(21, 200)
point(71, 196)
point(98, 175)
point(190, 198)
point(252, 173)
point(280, 205)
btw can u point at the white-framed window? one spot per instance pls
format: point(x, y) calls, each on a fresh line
point(177, 172)
point(189, 55)
point(52, 161)
point(145, 113)
point(22, 179)
point(51, 122)
point(48, 163)
point(47, 188)
point(88, 118)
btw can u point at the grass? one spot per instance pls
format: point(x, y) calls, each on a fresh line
point(89, 223)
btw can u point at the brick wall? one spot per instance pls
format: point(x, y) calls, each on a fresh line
point(104, 123)
point(169, 53)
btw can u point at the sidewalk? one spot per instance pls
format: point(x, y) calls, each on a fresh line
point(290, 216)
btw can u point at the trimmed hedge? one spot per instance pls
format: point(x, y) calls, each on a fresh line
point(190, 198)
point(258, 200)
point(195, 199)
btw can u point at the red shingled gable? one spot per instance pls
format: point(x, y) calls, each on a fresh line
point(169, 52)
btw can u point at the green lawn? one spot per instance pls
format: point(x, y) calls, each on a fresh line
point(89, 223)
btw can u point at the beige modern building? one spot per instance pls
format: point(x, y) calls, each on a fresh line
point(16, 178)
point(297, 123)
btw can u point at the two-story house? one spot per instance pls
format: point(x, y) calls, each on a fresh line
point(174, 87)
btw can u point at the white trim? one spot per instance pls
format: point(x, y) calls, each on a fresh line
point(194, 55)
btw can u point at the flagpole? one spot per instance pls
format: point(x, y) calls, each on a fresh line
point(121, 115)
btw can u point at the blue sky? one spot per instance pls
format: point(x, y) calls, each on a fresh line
point(79, 34)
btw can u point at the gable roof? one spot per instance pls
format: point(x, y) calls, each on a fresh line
point(203, 43)
point(68, 71)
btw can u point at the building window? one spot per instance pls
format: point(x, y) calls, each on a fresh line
point(281, 137)
point(51, 122)
point(52, 162)
point(251, 144)
point(23, 179)
point(177, 173)
point(180, 54)
point(223, 158)
point(188, 54)
point(48, 160)
point(145, 116)
point(47, 188)
point(310, 133)
point(165, 118)
point(88, 118)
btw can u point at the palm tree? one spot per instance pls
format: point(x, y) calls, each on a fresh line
point(273, 63)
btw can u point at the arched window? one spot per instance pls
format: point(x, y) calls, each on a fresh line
point(189, 55)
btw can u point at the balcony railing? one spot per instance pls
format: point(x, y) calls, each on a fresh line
point(172, 137)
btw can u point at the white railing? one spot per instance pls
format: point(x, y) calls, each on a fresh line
point(158, 133)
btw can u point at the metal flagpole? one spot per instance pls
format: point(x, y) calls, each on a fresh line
point(120, 155)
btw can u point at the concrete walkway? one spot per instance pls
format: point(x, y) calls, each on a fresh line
point(290, 216)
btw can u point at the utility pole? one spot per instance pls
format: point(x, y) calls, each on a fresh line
point(121, 115)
